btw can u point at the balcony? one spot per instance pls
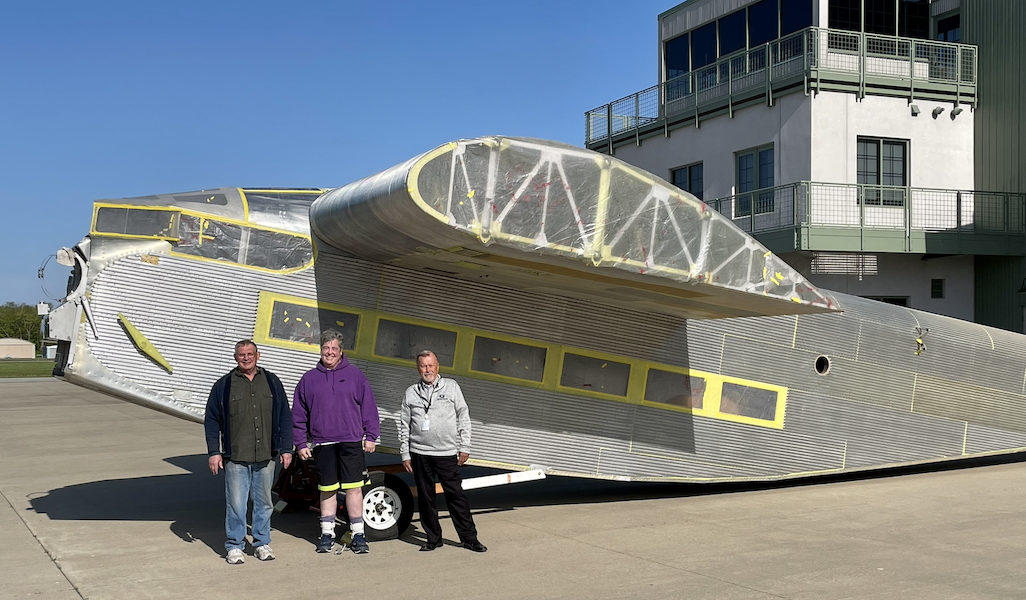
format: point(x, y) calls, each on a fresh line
point(807, 61)
point(839, 217)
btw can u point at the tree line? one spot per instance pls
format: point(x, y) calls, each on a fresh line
point(20, 321)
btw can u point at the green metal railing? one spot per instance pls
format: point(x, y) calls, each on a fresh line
point(817, 58)
point(874, 207)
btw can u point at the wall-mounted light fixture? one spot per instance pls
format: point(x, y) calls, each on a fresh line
point(937, 111)
point(915, 110)
point(955, 112)
point(1022, 288)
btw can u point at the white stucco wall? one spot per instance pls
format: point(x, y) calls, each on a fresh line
point(940, 150)
point(786, 125)
point(815, 138)
point(905, 275)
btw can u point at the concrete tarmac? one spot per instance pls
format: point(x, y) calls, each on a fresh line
point(103, 499)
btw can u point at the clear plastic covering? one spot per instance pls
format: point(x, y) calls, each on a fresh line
point(281, 209)
point(538, 196)
point(219, 240)
point(563, 210)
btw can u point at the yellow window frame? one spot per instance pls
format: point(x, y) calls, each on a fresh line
point(458, 347)
point(549, 373)
point(204, 218)
point(265, 309)
point(366, 339)
point(633, 387)
point(96, 213)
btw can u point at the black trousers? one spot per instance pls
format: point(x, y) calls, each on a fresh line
point(447, 470)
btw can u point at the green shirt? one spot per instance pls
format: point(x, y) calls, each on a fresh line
point(249, 409)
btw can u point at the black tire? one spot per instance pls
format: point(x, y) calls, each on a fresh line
point(387, 507)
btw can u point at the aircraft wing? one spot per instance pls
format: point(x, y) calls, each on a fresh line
point(539, 215)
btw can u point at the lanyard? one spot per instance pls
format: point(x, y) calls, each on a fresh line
point(430, 388)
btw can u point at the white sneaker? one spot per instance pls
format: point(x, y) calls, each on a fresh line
point(235, 557)
point(263, 553)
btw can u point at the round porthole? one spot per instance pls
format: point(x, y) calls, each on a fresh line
point(822, 365)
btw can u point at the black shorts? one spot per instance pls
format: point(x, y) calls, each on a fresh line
point(340, 466)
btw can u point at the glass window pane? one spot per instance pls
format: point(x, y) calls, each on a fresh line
point(844, 15)
point(880, 17)
point(893, 163)
point(766, 168)
point(732, 33)
point(595, 374)
point(703, 46)
point(696, 183)
point(745, 172)
point(746, 401)
point(403, 340)
point(914, 19)
point(508, 359)
point(677, 56)
point(762, 22)
point(950, 29)
point(132, 221)
point(292, 322)
point(867, 169)
point(677, 389)
point(795, 15)
point(680, 178)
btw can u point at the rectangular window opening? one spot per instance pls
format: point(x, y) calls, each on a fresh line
point(690, 179)
point(595, 374)
point(677, 56)
point(755, 180)
point(747, 401)
point(882, 171)
point(396, 339)
point(936, 288)
point(508, 359)
point(291, 322)
point(676, 389)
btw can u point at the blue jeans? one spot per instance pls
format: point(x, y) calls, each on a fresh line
point(243, 481)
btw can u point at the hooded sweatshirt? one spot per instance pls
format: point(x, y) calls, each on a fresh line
point(335, 405)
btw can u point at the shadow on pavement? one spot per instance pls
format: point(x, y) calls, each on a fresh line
point(194, 501)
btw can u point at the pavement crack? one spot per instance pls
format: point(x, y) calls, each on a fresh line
point(53, 559)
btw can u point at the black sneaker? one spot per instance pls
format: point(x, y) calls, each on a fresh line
point(359, 544)
point(325, 543)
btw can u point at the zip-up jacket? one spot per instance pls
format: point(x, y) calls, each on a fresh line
point(217, 420)
point(448, 416)
point(334, 405)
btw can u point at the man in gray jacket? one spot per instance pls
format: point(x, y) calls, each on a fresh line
point(434, 440)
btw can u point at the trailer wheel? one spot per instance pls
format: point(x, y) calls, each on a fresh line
point(387, 507)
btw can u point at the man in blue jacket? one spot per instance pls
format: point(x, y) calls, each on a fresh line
point(334, 410)
point(248, 424)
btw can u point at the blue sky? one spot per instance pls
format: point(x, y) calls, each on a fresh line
point(118, 99)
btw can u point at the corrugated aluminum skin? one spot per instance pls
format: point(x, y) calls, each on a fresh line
point(883, 400)
point(862, 414)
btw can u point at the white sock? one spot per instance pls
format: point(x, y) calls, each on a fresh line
point(356, 528)
point(328, 527)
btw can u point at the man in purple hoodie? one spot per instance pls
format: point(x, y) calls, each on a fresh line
point(333, 409)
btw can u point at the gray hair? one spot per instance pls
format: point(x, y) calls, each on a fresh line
point(330, 334)
point(243, 343)
point(426, 353)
